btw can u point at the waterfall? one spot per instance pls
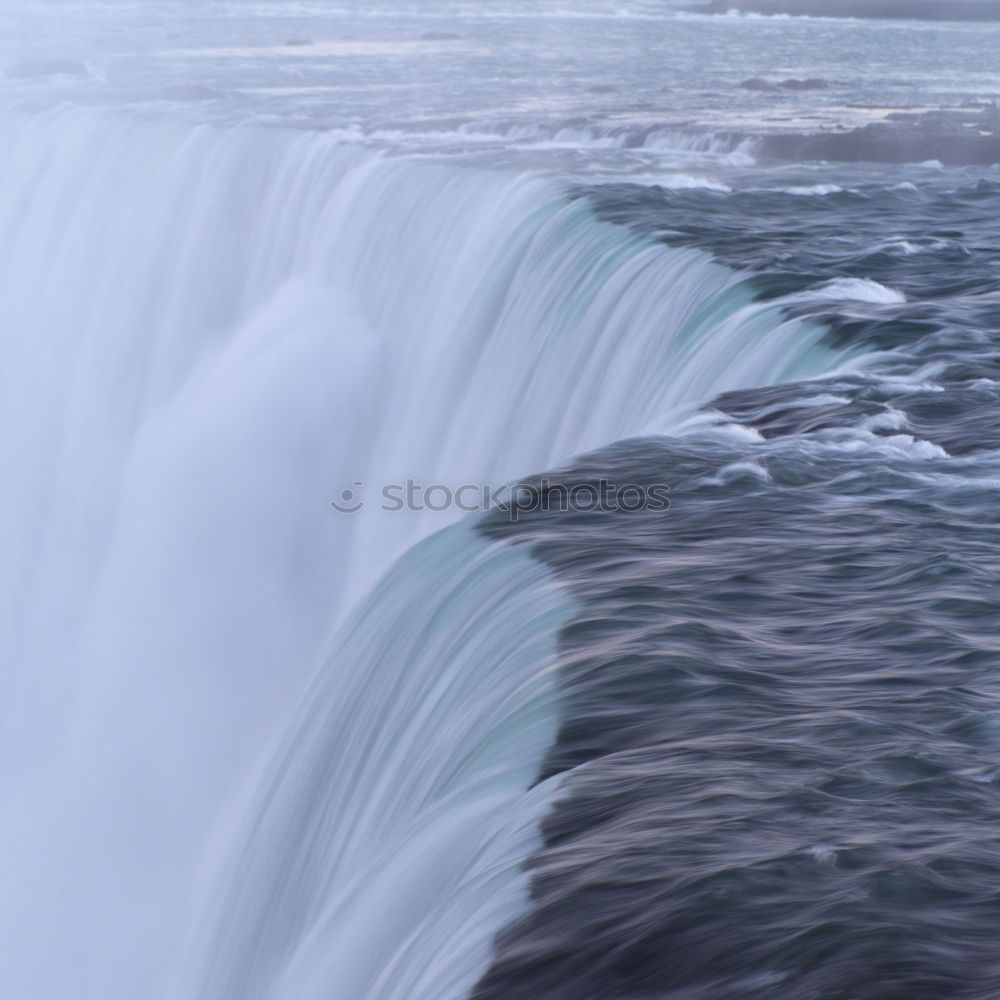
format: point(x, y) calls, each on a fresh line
point(427, 738)
point(208, 332)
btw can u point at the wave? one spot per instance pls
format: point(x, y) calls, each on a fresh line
point(937, 137)
point(818, 190)
point(573, 133)
point(854, 290)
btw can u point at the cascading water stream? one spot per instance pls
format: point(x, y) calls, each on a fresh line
point(208, 333)
point(428, 740)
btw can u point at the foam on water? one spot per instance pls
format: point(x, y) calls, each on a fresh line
point(814, 189)
point(857, 290)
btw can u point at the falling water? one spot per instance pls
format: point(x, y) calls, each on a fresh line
point(211, 331)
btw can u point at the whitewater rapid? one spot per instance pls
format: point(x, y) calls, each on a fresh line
point(209, 332)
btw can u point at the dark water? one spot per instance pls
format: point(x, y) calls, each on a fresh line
point(781, 726)
point(937, 245)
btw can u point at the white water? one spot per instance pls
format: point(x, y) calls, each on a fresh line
point(206, 334)
point(426, 736)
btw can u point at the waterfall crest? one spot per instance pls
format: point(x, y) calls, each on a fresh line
point(208, 332)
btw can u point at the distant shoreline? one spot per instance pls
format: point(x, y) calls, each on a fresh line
point(926, 10)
